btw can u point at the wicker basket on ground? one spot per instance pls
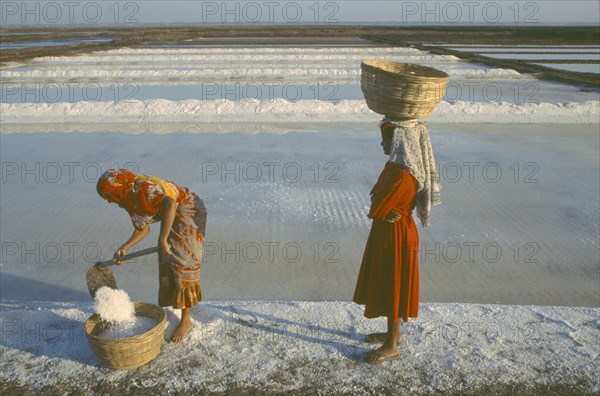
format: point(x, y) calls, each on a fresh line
point(129, 352)
point(402, 91)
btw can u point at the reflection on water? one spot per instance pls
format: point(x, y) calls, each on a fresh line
point(537, 56)
point(517, 92)
point(576, 67)
point(560, 55)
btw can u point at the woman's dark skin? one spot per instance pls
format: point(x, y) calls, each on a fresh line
point(392, 337)
point(386, 143)
point(169, 208)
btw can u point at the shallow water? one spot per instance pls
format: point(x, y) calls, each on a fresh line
point(576, 67)
point(520, 49)
point(540, 53)
point(50, 43)
point(561, 57)
point(287, 212)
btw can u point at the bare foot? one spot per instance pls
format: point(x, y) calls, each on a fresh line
point(379, 338)
point(382, 354)
point(185, 326)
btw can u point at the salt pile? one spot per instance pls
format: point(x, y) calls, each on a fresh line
point(279, 110)
point(114, 306)
point(138, 326)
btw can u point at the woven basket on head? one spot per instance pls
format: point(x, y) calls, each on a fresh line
point(130, 352)
point(402, 90)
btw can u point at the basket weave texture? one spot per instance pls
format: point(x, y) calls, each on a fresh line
point(130, 352)
point(402, 90)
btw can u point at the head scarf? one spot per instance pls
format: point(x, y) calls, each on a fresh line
point(411, 147)
point(115, 185)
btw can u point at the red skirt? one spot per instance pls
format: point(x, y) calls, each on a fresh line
point(388, 281)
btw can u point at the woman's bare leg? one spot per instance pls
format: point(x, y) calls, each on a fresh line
point(184, 327)
point(389, 349)
point(379, 338)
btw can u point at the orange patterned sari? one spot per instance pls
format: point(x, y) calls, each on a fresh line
point(140, 196)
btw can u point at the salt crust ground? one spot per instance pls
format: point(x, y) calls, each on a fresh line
point(313, 348)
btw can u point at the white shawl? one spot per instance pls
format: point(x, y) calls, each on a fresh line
point(411, 147)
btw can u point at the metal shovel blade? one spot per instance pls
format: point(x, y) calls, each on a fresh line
point(99, 277)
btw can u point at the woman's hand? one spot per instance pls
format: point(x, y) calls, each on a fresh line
point(164, 247)
point(392, 217)
point(137, 236)
point(122, 251)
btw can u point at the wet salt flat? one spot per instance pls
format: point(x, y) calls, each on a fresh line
point(287, 212)
point(299, 233)
point(50, 43)
point(561, 55)
point(576, 67)
point(529, 49)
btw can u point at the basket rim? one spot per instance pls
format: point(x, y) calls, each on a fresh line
point(161, 322)
point(435, 73)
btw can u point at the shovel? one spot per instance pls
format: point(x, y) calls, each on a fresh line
point(99, 275)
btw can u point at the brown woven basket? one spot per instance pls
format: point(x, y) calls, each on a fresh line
point(402, 90)
point(130, 352)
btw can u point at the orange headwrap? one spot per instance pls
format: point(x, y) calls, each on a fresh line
point(115, 184)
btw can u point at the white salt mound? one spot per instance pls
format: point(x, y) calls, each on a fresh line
point(114, 305)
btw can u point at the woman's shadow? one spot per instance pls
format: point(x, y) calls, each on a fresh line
point(323, 333)
point(36, 328)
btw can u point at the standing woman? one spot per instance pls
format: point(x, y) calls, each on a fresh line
point(388, 281)
point(148, 199)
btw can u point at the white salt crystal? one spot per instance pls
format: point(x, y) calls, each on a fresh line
point(139, 325)
point(114, 305)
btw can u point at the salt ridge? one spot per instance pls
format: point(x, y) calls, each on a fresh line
point(234, 64)
point(281, 110)
point(233, 71)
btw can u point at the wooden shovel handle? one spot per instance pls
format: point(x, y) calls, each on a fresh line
point(144, 252)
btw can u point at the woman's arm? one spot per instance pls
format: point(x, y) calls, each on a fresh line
point(382, 205)
point(169, 208)
point(135, 238)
